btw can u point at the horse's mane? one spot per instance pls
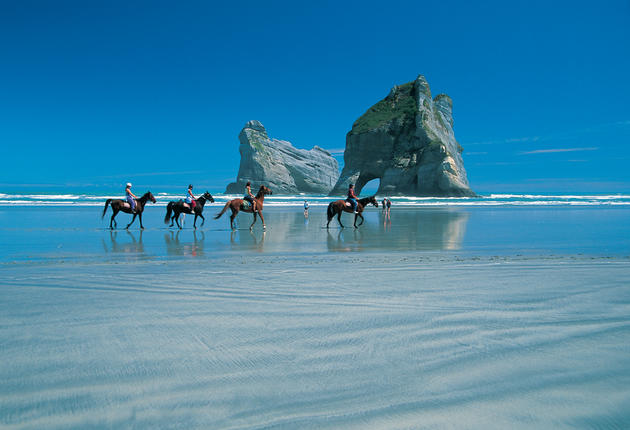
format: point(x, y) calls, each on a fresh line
point(365, 200)
point(145, 195)
point(261, 192)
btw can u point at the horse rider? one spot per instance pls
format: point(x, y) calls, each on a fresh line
point(249, 196)
point(352, 198)
point(190, 199)
point(130, 197)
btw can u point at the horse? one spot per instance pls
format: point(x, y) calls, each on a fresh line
point(177, 208)
point(121, 205)
point(339, 206)
point(236, 205)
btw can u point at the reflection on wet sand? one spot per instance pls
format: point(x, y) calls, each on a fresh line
point(127, 243)
point(404, 230)
point(194, 248)
point(253, 240)
point(344, 240)
point(426, 229)
point(430, 230)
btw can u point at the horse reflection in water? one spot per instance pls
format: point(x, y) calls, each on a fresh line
point(176, 247)
point(251, 240)
point(131, 245)
point(345, 240)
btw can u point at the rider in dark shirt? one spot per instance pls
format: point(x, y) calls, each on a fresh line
point(352, 198)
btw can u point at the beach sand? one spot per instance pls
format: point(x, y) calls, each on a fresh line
point(432, 330)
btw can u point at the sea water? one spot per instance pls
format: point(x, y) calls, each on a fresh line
point(34, 231)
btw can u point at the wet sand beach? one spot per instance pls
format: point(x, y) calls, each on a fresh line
point(443, 318)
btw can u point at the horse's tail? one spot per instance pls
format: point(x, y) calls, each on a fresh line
point(330, 211)
point(169, 210)
point(107, 202)
point(217, 216)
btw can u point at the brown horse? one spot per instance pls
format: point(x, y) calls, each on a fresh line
point(339, 206)
point(122, 206)
point(236, 205)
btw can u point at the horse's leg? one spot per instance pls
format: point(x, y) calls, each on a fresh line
point(140, 218)
point(253, 222)
point(262, 219)
point(112, 220)
point(177, 220)
point(357, 215)
point(203, 220)
point(339, 218)
point(173, 217)
point(234, 213)
point(132, 220)
point(195, 222)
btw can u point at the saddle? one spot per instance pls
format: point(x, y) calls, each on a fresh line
point(126, 205)
point(348, 204)
point(246, 205)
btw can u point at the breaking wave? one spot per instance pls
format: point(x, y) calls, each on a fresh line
point(319, 200)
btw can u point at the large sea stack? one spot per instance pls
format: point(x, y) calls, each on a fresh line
point(280, 166)
point(406, 140)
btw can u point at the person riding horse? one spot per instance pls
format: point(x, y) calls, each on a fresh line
point(175, 208)
point(190, 199)
point(237, 205)
point(130, 197)
point(352, 198)
point(249, 196)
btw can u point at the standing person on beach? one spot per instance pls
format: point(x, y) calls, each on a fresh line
point(389, 206)
point(305, 208)
point(249, 196)
point(352, 198)
point(190, 198)
point(130, 197)
point(384, 203)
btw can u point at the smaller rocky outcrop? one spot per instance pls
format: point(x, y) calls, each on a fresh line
point(280, 166)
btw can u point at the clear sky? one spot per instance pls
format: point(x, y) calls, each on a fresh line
point(93, 94)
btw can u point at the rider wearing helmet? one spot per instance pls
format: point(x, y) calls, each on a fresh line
point(352, 198)
point(130, 197)
point(190, 198)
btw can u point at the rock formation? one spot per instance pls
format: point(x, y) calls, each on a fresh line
point(407, 141)
point(280, 166)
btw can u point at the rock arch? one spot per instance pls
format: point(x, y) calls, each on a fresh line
point(407, 141)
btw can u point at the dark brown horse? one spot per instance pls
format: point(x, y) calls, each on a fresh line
point(177, 208)
point(236, 205)
point(121, 205)
point(339, 206)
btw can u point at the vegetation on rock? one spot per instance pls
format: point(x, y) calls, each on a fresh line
point(399, 105)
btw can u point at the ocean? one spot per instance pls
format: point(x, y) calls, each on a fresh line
point(21, 199)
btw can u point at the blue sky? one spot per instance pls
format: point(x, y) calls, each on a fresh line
point(93, 94)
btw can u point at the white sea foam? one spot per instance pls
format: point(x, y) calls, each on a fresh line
point(320, 200)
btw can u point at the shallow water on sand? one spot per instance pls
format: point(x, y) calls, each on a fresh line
point(78, 233)
point(441, 318)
